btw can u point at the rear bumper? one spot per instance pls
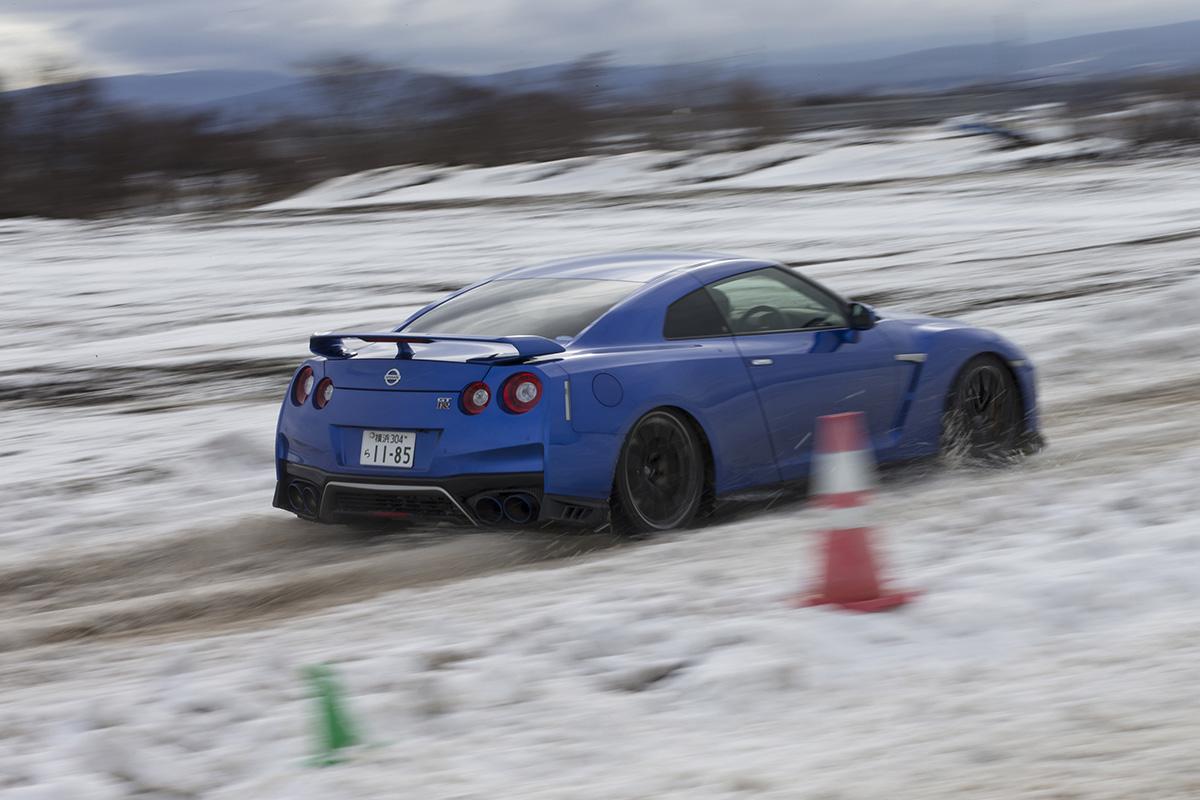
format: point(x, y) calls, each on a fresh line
point(347, 497)
point(331, 498)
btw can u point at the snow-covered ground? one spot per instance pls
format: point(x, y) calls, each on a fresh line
point(157, 613)
point(816, 160)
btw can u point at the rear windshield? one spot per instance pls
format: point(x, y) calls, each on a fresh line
point(551, 307)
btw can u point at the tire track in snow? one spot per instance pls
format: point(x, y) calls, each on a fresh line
point(244, 574)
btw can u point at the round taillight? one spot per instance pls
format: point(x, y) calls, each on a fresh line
point(521, 392)
point(302, 386)
point(476, 397)
point(324, 393)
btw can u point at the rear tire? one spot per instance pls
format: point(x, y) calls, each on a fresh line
point(984, 413)
point(660, 480)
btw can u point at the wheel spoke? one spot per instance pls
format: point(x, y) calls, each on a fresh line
point(660, 470)
point(988, 410)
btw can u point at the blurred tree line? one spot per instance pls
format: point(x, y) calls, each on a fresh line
point(68, 151)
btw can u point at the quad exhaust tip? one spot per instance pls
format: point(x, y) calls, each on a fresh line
point(489, 510)
point(518, 508)
point(302, 498)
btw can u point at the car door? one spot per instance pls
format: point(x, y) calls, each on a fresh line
point(805, 361)
point(714, 375)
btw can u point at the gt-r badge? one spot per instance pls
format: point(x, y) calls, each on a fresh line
point(391, 377)
point(443, 403)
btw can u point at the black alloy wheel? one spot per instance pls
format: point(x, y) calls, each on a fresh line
point(983, 416)
point(660, 474)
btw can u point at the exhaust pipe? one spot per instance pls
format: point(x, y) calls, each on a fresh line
point(302, 498)
point(295, 496)
point(488, 510)
point(311, 503)
point(520, 508)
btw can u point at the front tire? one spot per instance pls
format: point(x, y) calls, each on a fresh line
point(984, 413)
point(659, 483)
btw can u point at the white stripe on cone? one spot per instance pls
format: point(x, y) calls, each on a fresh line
point(844, 519)
point(837, 473)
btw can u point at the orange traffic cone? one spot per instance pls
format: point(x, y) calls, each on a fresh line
point(842, 480)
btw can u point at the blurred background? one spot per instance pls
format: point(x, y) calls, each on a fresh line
point(188, 190)
point(157, 108)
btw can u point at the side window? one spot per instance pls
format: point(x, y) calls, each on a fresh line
point(694, 316)
point(771, 299)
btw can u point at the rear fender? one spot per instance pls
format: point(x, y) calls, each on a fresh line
point(283, 443)
point(610, 391)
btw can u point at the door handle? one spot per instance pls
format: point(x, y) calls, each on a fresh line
point(762, 362)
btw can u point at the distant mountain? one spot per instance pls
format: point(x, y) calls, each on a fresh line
point(261, 95)
point(1164, 48)
point(197, 87)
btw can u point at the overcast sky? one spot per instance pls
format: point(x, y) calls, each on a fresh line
point(116, 36)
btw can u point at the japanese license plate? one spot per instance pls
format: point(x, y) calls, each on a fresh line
point(388, 448)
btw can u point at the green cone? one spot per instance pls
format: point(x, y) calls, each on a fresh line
point(332, 722)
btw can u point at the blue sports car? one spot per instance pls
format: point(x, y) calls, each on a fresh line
point(635, 388)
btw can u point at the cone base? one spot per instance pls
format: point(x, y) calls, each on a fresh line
point(885, 601)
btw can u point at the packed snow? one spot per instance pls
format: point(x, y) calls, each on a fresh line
point(158, 613)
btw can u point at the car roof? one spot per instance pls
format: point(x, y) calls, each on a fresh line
point(639, 267)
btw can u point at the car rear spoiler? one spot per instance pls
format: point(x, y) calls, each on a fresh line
point(332, 345)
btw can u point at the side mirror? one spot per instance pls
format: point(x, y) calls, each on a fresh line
point(861, 316)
